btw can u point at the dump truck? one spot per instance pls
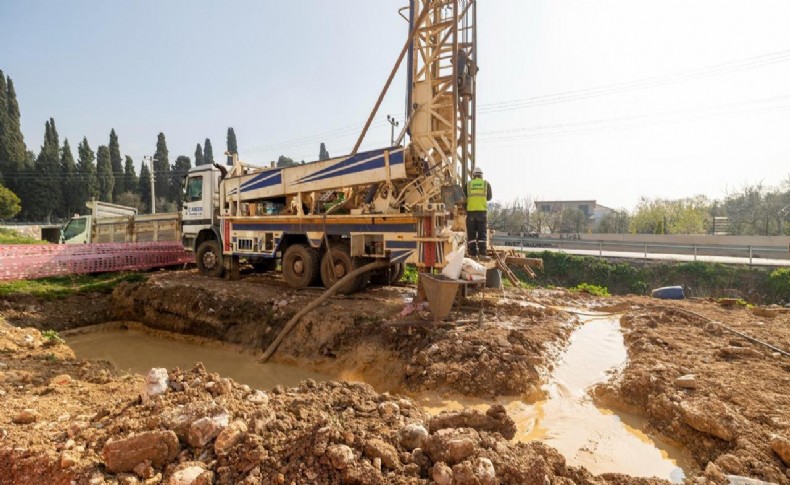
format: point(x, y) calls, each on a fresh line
point(112, 223)
point(399, 204)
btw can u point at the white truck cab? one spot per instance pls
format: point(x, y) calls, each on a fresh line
point(199, 215)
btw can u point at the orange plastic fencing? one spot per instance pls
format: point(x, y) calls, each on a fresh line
point(31, 261)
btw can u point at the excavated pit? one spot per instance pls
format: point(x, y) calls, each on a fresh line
point(597, 439)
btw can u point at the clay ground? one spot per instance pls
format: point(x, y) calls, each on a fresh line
point(60, 413)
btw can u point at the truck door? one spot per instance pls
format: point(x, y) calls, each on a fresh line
point(77, 231)
point(196, 214)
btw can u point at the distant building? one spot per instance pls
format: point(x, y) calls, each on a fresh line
point(591, 209)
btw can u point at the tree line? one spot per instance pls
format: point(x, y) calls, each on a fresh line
point(755, 209)
point(53, 185)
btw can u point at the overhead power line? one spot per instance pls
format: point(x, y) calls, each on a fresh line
point(638, 84)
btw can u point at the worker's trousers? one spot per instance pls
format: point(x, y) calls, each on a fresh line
point(477, 232)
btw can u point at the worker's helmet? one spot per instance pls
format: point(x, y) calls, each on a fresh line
point(477, 171)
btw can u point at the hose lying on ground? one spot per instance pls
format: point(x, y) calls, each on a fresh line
point(313, 304)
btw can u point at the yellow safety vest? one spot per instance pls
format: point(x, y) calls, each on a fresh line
point(477, 195)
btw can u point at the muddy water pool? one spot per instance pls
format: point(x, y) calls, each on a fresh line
point(131, 348)
point(598, 439)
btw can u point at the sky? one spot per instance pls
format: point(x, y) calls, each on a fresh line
point(610, 100)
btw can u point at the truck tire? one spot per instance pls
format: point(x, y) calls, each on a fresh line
point(343, 264)
point(209, 258)
point(300, 265)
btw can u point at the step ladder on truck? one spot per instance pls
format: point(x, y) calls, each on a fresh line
point(398, 204)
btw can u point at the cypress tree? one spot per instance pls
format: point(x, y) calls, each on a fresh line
point(70, 182)
point(14, 151)
point(208, 153)
point(180, 169)
point(5, 158)
point(86, 170)
point(162, 169)
point(232, 147)
point(130, 182)
point(323, 154)
point(104, 175)
point(116, 162)
point(199, 155)
point(43, 194)
point(145, 187)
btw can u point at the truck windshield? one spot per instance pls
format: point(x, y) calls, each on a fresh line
point(74, 228)
point(194, 190)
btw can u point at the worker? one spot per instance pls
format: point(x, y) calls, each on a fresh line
point(478, 194)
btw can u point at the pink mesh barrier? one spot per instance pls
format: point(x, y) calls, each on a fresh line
point(31, 261)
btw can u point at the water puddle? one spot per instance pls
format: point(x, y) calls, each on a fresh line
point(598, 439)
point(136, 350)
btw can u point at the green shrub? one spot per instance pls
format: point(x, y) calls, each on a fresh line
point(779, 284)
point(591, 289)
point(410, 274)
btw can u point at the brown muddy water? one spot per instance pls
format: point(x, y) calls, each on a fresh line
point(567, 419)
point(598, 439)
point(130, 347)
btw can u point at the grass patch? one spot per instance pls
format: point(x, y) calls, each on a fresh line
point(594, 290)
point(9, 236)
point(62, 286)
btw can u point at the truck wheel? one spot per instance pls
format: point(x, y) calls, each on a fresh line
point(209, 258)
point(343, 265)
point(300, 265)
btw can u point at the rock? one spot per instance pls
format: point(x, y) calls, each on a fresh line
point(388, 410)
point(484, 471)
point(710, 417)
point(26, 416)
point(158, 447)
point(259, 397)
point(187, 476)
point(205, 429)
point(442, 474)
point(377, 448)
point(781, 447)
point(230, 437)
point(69, 444)
point(61, 380)
point(156, 382)
point(495, 420)
point(451, 445)
point(341, 456)
point(713, 472)
point(729, 464)
point(733, 352)
point(412, 436)
point(459, 449)
point(67, 460)
point(686, 382)
point(144, 470)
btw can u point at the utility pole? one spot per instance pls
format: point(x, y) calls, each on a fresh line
point(392, 132)
point(151, 161)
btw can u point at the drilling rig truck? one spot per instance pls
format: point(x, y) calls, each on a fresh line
point(401, 204)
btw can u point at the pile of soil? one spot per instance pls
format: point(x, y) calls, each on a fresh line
point(70, 421)
point(726, 399)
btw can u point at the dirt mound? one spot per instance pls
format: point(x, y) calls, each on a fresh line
point(715, 392)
